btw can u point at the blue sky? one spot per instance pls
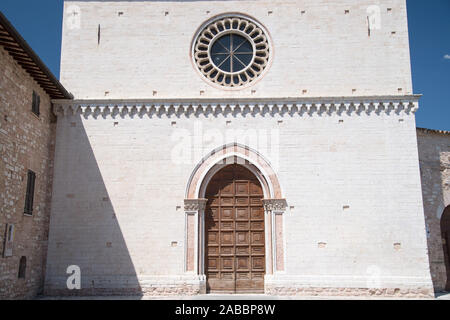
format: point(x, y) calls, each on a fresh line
point(39, 22)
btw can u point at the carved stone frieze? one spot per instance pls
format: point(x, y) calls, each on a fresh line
point(275, 204)
point(194, 204)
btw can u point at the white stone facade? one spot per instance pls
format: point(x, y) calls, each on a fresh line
point(333, 119)
point(319, 50)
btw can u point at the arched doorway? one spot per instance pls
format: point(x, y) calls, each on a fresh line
point(234, 232)
point(445, 231)
point(257, 170)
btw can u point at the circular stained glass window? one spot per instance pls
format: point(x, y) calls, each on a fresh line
point(232, 51)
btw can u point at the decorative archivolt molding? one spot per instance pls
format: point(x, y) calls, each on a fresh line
point(195, 204)
point(300, 106)
point(275, 204)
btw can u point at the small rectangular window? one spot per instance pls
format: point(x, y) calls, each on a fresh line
point(30, 193)
point(9, 239)
point(36, 103)
point(22, 268)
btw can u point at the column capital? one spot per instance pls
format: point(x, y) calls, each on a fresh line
point(275, 204)
point(195, 204)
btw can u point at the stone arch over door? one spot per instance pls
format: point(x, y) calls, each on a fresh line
point(195, 204)
point(445, 232)
point(228, 154)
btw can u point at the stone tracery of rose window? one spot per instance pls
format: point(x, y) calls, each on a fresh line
point(232, 51)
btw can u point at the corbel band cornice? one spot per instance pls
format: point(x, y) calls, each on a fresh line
point(178, 107)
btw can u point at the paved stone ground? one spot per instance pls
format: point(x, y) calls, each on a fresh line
point(443, 296)
point(439, 296)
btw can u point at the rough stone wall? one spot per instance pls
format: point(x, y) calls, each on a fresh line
point(320, 48)
point(26, 142)
point(434, 156)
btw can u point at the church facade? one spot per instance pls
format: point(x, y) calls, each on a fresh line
point(244, 147)
point(239, 146)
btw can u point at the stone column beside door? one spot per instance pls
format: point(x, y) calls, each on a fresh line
point(275, 209)
point(194, 261)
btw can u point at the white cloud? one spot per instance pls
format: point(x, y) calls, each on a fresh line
point(447, 56)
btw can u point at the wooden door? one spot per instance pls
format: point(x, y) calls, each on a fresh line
point(235, 238)
point(445, 232)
